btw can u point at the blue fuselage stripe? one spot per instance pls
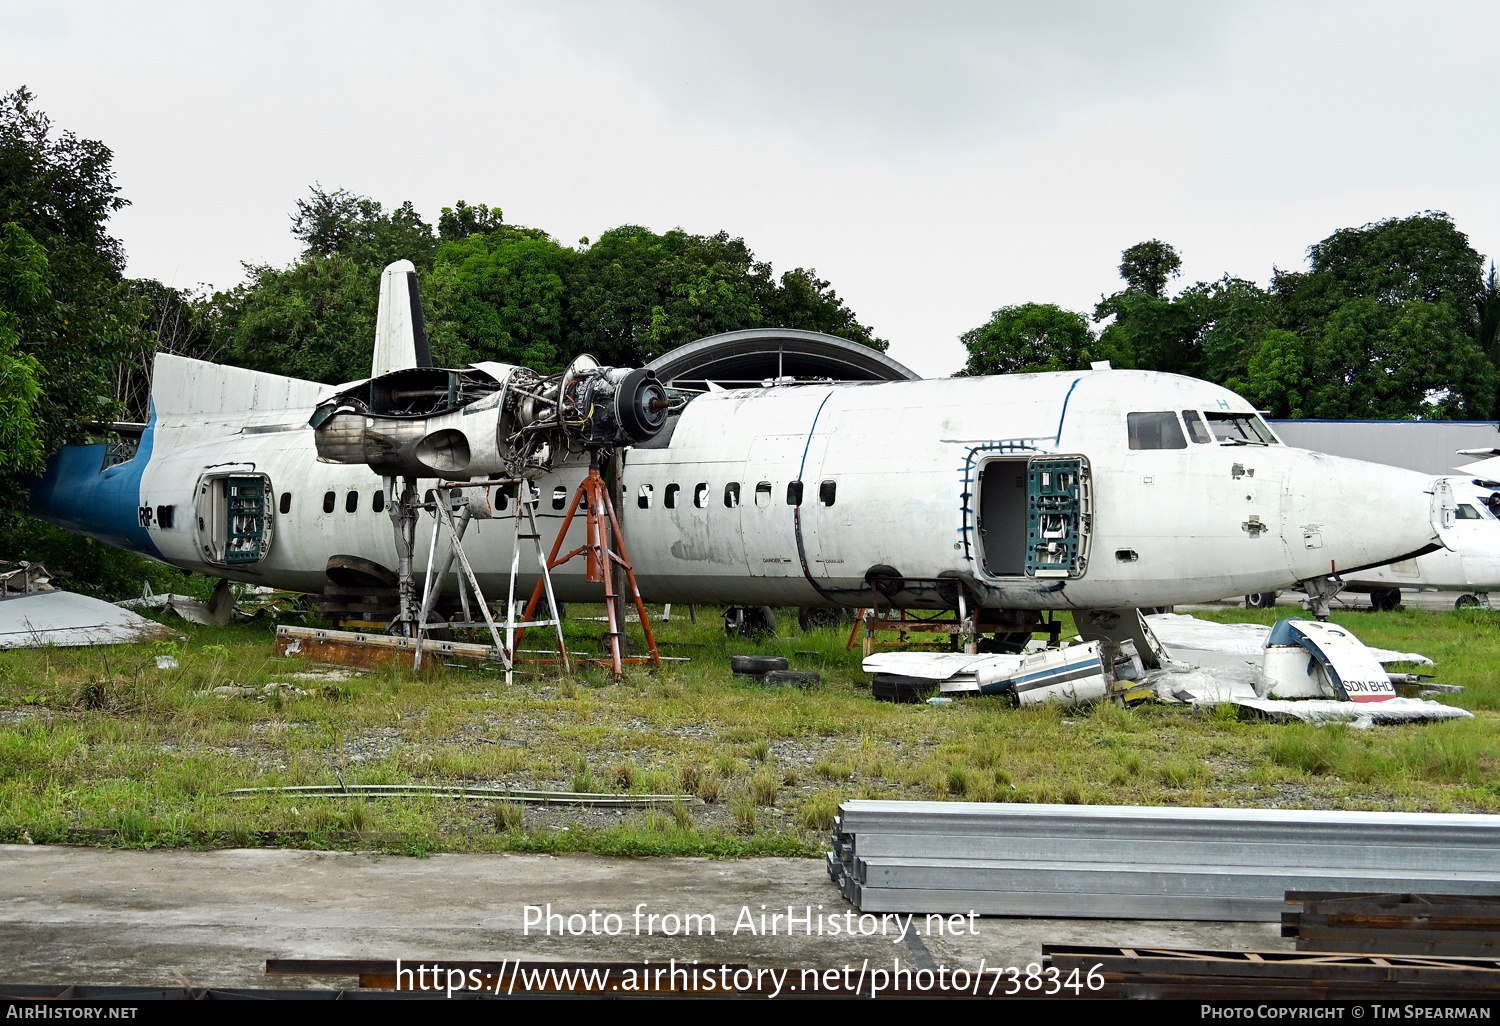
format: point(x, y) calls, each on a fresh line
point(100, 504)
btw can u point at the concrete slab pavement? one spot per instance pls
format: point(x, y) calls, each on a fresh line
point(211, 918)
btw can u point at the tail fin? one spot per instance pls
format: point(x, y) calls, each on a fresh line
point(400, 331)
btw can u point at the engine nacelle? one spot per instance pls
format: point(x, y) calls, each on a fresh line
point(493, 420)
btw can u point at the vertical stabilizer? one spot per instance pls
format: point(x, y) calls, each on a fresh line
point(400, 331)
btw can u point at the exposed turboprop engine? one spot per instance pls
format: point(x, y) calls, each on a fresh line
point(493, 419)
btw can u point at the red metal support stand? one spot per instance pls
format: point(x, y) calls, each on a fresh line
point(601, 525)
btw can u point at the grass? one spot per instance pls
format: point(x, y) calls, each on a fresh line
point(99, 745)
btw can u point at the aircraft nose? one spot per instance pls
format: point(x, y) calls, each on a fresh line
point(1342, 514)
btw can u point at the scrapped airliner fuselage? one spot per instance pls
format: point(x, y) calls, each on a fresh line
point(1102, 489)
point(1095, 489)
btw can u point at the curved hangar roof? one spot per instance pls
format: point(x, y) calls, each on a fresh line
point(737, 359)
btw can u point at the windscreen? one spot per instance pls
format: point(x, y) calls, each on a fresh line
point(1239, 429)
point(1155, 431)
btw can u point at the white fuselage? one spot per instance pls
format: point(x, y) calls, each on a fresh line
point(926, 478)
point(1471, 560)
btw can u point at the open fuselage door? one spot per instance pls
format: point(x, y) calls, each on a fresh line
point(1035, 516)
point(234, 519)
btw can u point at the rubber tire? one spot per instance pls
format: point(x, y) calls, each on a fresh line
point(757, 622)
point(894, 687)
point(813, 618)
point(758, 664)
point(1466, 602)
point(1384, 600)
point(1261, 600)
point(795, 678)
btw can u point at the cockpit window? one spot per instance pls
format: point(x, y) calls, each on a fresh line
point(1239, 429)
point(1196, 431)
point(1467, 512)
point(1155, 431)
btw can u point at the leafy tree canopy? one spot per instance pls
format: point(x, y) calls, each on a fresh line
point(1423, 257)
point(66, 318)
point(25, 289)
point(1369, 362)
point(461, 220)
point(340, 223)
point(1029, 337)
point(1148, 266)
point(496, 291)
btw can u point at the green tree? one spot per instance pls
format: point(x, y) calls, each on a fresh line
point(1421, 258)
point(803, 300)
point(340, 223)
point(316, 318)
point(1281, 376)
point(1209, 330)
point(1148, 266)
point(1369, 362)
point(501, 296)
point(1399, 319)
point(493, 291)
point(635, 294)
point(1029, 337)
point(1487, 309)
point(68, 315)
point(25, 289)
point(312, 320)
point(68, 322)
point(461, 220)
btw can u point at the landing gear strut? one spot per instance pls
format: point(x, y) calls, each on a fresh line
point(1320, 592)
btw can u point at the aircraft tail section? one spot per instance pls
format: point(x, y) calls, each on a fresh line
point(400, 330)
point(183, 387)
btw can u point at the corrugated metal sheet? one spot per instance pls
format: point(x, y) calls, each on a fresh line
point(1426, 446)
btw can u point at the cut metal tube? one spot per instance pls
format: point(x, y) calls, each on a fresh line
point(439, 791)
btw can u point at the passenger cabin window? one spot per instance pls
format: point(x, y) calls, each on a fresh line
point(286, 502)
point(827, 491)
point(329, 499)
point(377, 501)
point(669, 497)
point(700, 496)
point(643, 500)
point(1196, 431)
point(1155, 431)
point(794, 493)
point(351, 502)
point(732, 495)
point(1467, 512)
point(501, 497)
point(559, 497)
point(763, 494)
point(1239, 429)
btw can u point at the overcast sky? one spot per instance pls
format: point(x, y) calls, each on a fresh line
point(933, 161)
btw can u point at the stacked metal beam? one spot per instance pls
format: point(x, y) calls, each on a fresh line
point(1135, 862)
